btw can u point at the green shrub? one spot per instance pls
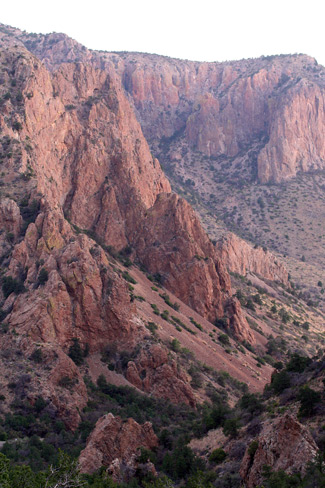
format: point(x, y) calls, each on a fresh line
point(230, 428)
point(280, 381)
point(308, 400)
point(252, 449)
point(297, 363)
point(217, 456)
point(251, 403)
point(76, 353)
point(224, 339)
point(126, 275)
point(175, 345)
point(43, 276)
point(165, 315)
point(37, 356)
point(11, 285)
point(221, 322)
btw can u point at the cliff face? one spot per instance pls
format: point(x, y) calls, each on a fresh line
point(284, 444)
point(223, 110)
point(115, 442)
point(240, 257)
point(226, 109)
point(75, 159)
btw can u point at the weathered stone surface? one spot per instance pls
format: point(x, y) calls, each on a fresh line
point(154, 373)
point(284, 444)
point(240, 257)
point(114, 442)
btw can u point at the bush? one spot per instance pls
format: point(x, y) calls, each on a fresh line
point(126, 275)
point(230, 428)
point(216, 417)
point(37, 356)
point(76, 353)
point(308, 399)
point(251, 403)
point(224, 339)
point(175, 345)
point(43, 276)
point(221, 323)
point(280, 381)
point(252, 449)
point(297, 363)
point(182, 462)
point(11, 285)
point(217, 456)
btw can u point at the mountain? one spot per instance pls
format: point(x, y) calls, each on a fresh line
point(117, 308)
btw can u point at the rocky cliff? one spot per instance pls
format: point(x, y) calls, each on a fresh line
point(81, 183)
point(114, 443)
point(240, 257)
point(246, 109)
point(284, 444)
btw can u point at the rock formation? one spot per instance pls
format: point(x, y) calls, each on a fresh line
point(240, 257)
point(284, 444)
point(154, 373)
point(76, 161)
point(114, 443)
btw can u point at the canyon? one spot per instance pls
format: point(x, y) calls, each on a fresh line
point(111, 283)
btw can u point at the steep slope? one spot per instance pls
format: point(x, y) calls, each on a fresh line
point(75, 160)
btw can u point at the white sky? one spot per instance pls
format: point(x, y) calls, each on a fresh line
point(204, 30)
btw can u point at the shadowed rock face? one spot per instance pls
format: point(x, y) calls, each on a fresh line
point(284, 444)
point(115, 440)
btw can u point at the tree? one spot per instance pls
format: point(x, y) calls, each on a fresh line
point(230, 428)
point(308, 399)
point(43, 276)
point(66, 475)
point(76, 353)
point(280, 381)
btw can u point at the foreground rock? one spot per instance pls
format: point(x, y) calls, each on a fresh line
point(284, 444)
point(114, 443)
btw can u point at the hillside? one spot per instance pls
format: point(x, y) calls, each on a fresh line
point(121, 318)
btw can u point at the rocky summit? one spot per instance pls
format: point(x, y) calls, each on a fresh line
point(143, 342)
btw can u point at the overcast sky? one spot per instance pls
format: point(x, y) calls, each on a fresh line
point(204, 30)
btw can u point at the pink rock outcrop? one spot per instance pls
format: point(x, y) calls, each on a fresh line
point(156, 374)
point(284, 444)
point(114, 442)
point(240, 257)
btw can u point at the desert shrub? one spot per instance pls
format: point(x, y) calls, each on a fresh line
point(43, 276)
point(221, 322)
point(251, 403)
point(217, 456)
point(230, 428)
point(280, 381)
point(308, 400)
point(75, 352)
point(11, 285)
point(224, 339)
point(37, 355)
point(196, 375)
point(126, 275)
point(252, 448)
point(217, 416)
point(175, 345)
point(297, 363)
point(196, 324)
point(182, 462)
